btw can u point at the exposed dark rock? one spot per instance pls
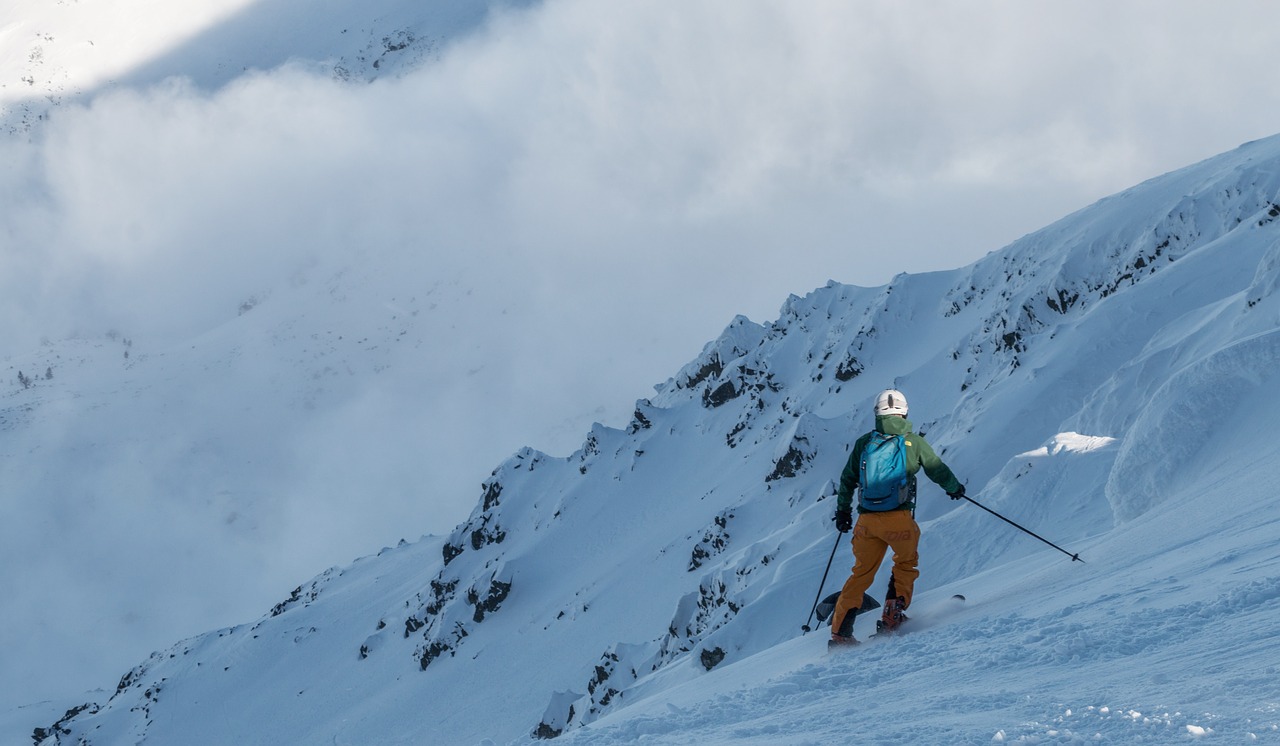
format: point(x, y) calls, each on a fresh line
point(848, 369)
point(432, 651)
point(545, 732)
point(711, 369)
point(791, 463)
point(1272, 214)
point(712, 658)
point(437, 648)
point(482, 536)
point(60, 727)
point(732, 437)
point(714, 541)
point(492, 600)
point(295, 597)
point(1064, 301)
point(722, 394)
point(129, 679)
point(492, 491)
point(639, 422)
point(441, 592)
point(451, 552)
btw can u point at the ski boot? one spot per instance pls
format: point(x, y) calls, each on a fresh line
point(893, 616)
point(843, 637)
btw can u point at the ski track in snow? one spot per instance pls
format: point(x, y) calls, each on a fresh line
point(962, 684)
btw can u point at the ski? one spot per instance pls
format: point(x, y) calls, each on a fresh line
point(828, 605)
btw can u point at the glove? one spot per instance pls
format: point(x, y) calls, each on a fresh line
point(844, 520)
point(958, 494)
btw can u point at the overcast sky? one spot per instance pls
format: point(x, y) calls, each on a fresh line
point(600, 188)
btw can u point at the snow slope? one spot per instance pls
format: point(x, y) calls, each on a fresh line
point(1107, 381)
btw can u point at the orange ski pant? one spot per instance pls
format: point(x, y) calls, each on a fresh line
point(874, 534)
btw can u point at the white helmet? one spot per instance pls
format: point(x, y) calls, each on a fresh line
point(891, 401)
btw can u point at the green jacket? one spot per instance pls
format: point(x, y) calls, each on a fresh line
point(919, 454)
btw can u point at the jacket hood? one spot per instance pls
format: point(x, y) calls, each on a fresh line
point(893, 425)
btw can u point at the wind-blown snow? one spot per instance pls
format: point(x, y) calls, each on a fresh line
point(1105, 382)
point(1070, 443)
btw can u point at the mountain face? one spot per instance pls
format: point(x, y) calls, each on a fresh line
point(1088, 380)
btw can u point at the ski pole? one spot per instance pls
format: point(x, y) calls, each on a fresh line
point(1074, 557)
point(805, 628)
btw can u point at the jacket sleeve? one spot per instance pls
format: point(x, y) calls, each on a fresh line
point(933, 467)
point(849, 478)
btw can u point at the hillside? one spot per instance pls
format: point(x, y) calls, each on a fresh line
point(1106, 381)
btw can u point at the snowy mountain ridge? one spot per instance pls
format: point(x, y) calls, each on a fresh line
point(70, 52)
point(1093, 380)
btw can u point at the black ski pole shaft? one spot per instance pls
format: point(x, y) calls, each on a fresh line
point(1074, 557)
point(823, 583)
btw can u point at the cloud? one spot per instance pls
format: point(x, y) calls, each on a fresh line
point(628, 141)
point(557, 214)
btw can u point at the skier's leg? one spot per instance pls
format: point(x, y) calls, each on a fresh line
point(868, 552)
point(903, 534)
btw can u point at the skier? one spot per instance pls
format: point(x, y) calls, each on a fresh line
point(882, 468)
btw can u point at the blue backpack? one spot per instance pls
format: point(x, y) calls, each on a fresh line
point(883, 481)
